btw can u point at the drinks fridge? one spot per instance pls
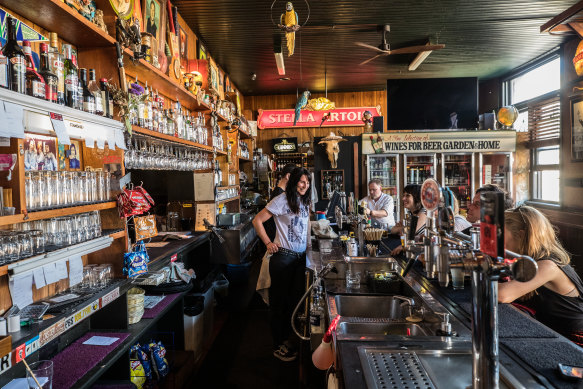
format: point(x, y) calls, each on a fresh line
point(386, 168)
point(457, 175)
point(419, 167)
point(496, 168)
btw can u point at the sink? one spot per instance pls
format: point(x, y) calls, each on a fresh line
point(362, 265)
point(364, 329)
point(385, 307)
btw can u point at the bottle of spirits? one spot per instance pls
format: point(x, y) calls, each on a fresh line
point(96, 92)
point(16, 59)
point(35, 83)
point(3, 71)
point(71, 77)
point(106, 99)
point(147, 109)
point(88, 98)
point(51, 79)
point(57, 65)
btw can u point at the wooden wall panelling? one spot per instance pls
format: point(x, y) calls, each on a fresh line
point(5, 299)
point(112, 255)
point(341, 99)
point(16, 184)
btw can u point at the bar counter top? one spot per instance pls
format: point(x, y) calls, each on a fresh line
point(529, 350)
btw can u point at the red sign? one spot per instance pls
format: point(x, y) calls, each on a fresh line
point(283, 118)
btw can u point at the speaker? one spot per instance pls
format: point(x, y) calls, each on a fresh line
point(378, 123)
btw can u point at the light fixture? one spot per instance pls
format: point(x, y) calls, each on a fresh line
point(419, 59)
point(279, 63)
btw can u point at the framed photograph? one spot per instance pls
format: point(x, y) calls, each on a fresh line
point(40, 153)
point(213, 76)
point(183, 43)
point(74, 155)
point(201, 51)
point(152, 11)
point(577, 129)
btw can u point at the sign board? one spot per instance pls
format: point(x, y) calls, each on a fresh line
point(285, 145)
point(284, 118)
point(422, 142)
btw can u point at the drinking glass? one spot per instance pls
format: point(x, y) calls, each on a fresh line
point(43, 372)
point(82, 193)
point(92, 194)
point(56, 187)
point(352, 279)
point(457, 278)
point(95, 222)
point(25, 244)
point(10, 241)
point(38, 241)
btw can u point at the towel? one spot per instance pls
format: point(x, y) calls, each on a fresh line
point(264, 280)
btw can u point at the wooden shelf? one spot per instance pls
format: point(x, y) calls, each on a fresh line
point(227, 187)
point(161, 82)
point(39, 215)
point(244, 134)
point(568, 21)
point(55, 15)
point(118, 234)
point(159, 135)
point(245, 159)
point(221, 152)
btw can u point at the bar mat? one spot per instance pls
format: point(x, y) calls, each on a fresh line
point(113, 386)
point(513, 323)
point(544, 356)
point(75, 361)
point(168, 299)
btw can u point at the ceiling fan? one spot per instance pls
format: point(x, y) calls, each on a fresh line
point(385, 49)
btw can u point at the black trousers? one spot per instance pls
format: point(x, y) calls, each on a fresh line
point(287, 287)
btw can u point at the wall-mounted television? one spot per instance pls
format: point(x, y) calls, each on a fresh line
point(432, 103)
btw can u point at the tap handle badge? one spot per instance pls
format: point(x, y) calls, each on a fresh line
point(492, 224)
point(430, 194)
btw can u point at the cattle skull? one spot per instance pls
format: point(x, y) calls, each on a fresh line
point(332, 148)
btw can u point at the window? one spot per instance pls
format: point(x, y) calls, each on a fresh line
point(535, 93)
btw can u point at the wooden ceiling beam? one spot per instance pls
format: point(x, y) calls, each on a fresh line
point(562, 18)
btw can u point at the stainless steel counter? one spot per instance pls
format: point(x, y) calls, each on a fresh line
point(370, 349)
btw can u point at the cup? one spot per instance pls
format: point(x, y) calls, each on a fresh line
point(457, 278)
point(352, 279)
point(43, 372)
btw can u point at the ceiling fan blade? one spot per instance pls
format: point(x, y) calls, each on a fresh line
point(370, 59)
point(371, 47)
point(417, 49)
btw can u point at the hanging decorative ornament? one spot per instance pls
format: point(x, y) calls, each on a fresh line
point(289, 24)
point(578, 59)
point(507, 116)
point(367, 120)
point(320, 104)
point(301, 104)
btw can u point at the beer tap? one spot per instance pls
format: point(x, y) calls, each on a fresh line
point(444, 249)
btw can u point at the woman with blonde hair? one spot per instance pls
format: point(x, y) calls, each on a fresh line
point(555, 294)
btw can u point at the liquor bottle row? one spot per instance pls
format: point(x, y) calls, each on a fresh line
point(416, 175)
point(281, 162)
point(150, 112)
point(457, 174)
point(58, 79)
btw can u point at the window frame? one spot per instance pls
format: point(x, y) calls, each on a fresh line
point(534, 166)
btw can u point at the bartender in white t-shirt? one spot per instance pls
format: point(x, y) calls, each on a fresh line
point(379, 206)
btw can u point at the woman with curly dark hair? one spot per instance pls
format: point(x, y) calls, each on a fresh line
point(412, 203)
point(291, 212)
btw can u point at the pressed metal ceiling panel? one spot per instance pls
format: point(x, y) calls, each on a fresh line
point(483, 38)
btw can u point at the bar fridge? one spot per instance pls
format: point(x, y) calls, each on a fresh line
point(386, 168)
point(457, 173)
point(419, 167)
point(496, 168)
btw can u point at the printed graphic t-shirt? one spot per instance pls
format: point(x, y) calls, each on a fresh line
point(291, 229)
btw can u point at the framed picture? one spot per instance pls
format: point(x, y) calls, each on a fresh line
point(213, 76)
point(201, 51)
point(152, 11)
point(74, 155)
point(577, 128)
point(183, 43)
point(40, 153)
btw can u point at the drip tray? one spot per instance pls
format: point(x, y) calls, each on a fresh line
point(422, 369)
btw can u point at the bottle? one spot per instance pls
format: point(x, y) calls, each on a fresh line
point(51, 79)
point(4, 82)
point(96, 92)
point(105, 99)
point(323, 355)
point(16, 59)
point(148, 110)
point(88, 98)
point(71, 77)
point(317, 317)
point(35, 83)
point(57, 65)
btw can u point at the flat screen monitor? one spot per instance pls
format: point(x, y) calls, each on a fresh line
point(432, 103)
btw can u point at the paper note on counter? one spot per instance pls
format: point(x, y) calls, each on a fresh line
point(100, 340)
point(61, 268)
point(50, 270)
point(21, 289)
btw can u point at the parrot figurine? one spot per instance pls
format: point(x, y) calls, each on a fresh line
point(301, 103)
point(289, 24)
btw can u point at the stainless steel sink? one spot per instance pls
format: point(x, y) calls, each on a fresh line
point(362, 265)
point(385, 307)
point(368, 329)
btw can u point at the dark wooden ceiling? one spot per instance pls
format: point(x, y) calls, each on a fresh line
point(483, 38)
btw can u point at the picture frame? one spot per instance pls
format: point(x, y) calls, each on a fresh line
point(201, 50)
point(40, 153)
point(159, 20)
point(577, 128)
point(213, 77)
point(183, 42)
point(74, 156)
